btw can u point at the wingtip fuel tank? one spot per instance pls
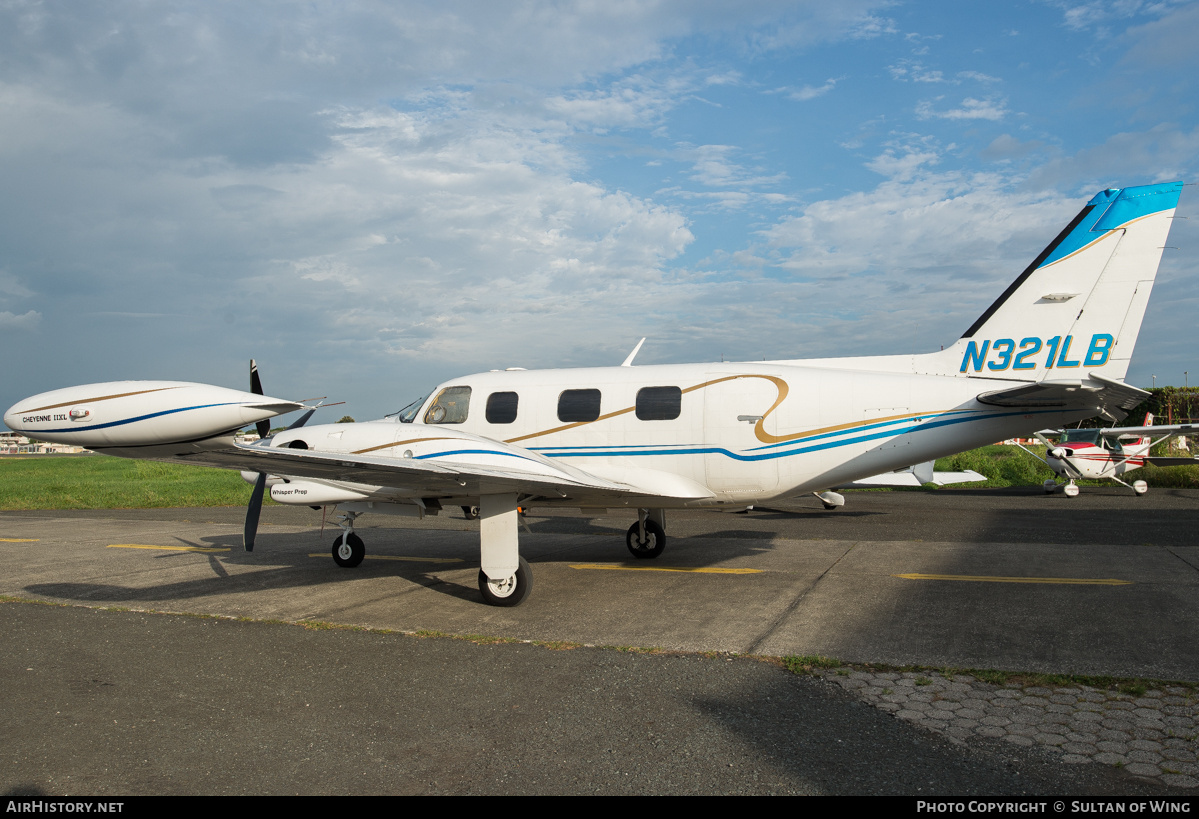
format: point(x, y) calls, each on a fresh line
point(125, 414)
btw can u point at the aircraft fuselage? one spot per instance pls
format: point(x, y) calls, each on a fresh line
point(743, 432)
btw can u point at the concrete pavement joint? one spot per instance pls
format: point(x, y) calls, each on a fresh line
point(1154, 734)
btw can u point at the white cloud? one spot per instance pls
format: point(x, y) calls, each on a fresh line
point(1100, 13)
point(908, 70)
point(903, 165)
point(970, 108)
point(923, 256)
point(977, 76)
point(1162, 153)
point(714, 168)
point(27, 321)
point(809, 92)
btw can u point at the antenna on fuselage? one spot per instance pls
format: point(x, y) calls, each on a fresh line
point(628, 362)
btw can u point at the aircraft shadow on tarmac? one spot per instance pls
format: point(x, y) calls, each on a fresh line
point(856, 606)
point(438, 560)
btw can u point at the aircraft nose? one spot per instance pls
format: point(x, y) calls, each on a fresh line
point(12, 419)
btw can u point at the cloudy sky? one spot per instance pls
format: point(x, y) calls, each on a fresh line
point(372, 197)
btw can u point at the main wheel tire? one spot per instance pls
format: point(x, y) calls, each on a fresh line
point(652, 546)
point(510, 591)
point(470, 512)
point(350, 553)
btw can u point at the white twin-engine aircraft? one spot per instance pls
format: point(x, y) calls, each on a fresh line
point(1053, 349)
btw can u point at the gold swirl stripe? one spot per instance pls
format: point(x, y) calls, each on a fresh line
point(97, 398)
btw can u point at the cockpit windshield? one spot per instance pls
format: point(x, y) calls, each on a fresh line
point(408, 414)
point(1080, 436)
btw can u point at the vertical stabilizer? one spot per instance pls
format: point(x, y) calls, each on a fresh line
point(1078, 308)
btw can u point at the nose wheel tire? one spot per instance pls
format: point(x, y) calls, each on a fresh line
point(349, 553)
point(509, 591)
point(652, 546)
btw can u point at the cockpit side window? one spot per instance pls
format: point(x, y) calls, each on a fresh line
point(449, 407)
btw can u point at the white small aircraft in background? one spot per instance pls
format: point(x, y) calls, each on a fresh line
point(1053, 348)
point(1106, 454)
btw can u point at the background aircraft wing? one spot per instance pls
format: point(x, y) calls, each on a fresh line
point(1103, 395)
point(1180, 429)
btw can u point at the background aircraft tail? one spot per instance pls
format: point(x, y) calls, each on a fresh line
point(1077, 309)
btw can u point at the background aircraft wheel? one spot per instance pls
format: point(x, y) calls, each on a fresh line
point(349, 554)
point(652, 546)
point(1050, 486)
point(1070, 490)
point(470, 512)
point(1140, 487)
point(832, 507)
point(510, 591)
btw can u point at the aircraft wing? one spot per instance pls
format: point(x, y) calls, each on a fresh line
point(1166, 460)
point(1094, 392)
point(469, 467)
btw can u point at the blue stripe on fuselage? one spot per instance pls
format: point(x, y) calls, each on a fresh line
point(798, 448)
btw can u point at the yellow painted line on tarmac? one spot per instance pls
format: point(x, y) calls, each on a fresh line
point(1067, 581)
point(400, 557)
point(19, 539)
point(617, 567)
point(169, 548)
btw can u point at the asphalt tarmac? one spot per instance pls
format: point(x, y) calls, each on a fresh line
point(108, 694)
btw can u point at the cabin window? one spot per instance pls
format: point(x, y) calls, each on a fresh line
point(579, 405)
point(449, 407)
point(659, 403)
point(501, 407)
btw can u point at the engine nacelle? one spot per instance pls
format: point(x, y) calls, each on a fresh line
point(310, 493)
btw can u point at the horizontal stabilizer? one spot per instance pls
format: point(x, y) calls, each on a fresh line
point(1103, 395)
point(918, 475)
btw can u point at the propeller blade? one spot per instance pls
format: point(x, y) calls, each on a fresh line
point(263, 426)
point(253, 511)
point(303, 419)
point(255, 381)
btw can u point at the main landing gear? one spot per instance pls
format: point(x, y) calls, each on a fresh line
point(1070, 490)
point(507, 591)
point(647, 537)
point(505, 578)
